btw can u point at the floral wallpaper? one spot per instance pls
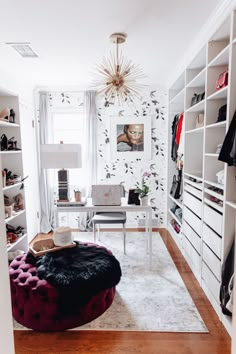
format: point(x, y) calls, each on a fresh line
point(128, 171)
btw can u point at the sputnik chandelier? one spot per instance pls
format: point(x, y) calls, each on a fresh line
point(116, 76)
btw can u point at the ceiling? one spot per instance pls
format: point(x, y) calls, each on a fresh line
point(71, 37)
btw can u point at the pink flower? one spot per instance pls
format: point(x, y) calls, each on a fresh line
point(146, 174)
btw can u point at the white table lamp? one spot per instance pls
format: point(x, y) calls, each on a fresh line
point(61, 156)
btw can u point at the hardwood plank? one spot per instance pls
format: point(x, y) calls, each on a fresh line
point(217, 341)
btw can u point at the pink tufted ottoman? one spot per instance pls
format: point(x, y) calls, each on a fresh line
point(35, 302)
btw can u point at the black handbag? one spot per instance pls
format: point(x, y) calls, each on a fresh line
point(177, 192)
point(222, 113)
point(173, 186)
point(197, 98)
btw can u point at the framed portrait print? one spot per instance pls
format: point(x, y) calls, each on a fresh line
point(130, 137)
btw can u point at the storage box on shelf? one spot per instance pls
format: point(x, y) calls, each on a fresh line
point(12, 166)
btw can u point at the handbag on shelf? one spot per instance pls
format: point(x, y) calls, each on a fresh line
point(222, 80)
point(222, 113)
point(173, 186)
point(199, 120)
point(178, 189)
point(197, 98)
point(194, 100)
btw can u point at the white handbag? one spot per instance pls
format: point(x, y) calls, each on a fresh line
point(199, 120)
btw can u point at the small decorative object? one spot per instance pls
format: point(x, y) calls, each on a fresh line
point(144, 190)
point(77, 196)
point(62, 236)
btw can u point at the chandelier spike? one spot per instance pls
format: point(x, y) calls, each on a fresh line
point(116, 76)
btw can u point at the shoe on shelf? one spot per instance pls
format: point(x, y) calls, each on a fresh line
point(5, 114)
point(12, 116)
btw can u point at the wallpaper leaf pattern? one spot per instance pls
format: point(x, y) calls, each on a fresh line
point(154, 105)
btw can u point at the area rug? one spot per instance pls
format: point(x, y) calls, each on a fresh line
point(147, 298)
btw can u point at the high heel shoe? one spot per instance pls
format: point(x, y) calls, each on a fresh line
point(5, 114)
point(12, 116)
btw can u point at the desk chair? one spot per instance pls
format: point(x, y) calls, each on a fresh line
point(109, 218)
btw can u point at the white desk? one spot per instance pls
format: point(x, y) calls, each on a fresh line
point(124, 207)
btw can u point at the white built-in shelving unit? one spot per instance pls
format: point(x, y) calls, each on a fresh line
point(207, 227)
point(12, 160)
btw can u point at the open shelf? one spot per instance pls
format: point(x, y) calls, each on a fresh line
point(198, 107)
point(222, 58)
point(198, 80)
point(213, 193)
point(12, 245)
point(175, 217)
point(10, 152)
point(213, 205)
point(219, 94)
point(215, 184)
point(195, 130)
point(16, 214)
point(216, 125)
point(7, 124)
point(12, 186)
point(179, 98)
point(176, 201)
point(196, 175)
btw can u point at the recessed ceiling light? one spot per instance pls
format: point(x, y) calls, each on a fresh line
point(24, 49)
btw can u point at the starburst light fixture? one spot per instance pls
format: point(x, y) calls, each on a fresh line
point(116, 76)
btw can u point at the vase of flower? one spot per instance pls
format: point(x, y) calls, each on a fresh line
point(144, 200)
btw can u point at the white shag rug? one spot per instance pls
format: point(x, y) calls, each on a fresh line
point(147, 299)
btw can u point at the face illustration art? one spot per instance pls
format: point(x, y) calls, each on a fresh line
point(135, 133)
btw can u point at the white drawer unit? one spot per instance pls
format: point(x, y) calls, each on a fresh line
point(213, 218)
point(213, 240)
point(212, 261)
point(192, 254)
point(193, 220)
point(192, 236)
point(211, 282)
point(193, 203)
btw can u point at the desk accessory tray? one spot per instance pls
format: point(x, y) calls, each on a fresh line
point(41, 247)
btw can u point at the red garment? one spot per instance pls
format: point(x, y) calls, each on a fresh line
point(179, 128)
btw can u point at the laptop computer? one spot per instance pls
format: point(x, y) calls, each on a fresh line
point(106, 194)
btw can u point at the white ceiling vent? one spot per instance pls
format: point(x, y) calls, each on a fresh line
point(23, 49)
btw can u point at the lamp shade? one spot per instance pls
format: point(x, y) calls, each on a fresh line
point(55, 156)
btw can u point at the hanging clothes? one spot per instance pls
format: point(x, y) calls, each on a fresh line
point(179, 128)
point(228, 150)
point(174, 146)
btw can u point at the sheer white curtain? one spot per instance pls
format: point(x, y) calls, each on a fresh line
point(46, 191)
point(90, 150)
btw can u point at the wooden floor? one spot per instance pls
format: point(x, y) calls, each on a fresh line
point(216, 341)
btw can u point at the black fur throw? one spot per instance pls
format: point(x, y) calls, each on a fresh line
point(78, 273)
